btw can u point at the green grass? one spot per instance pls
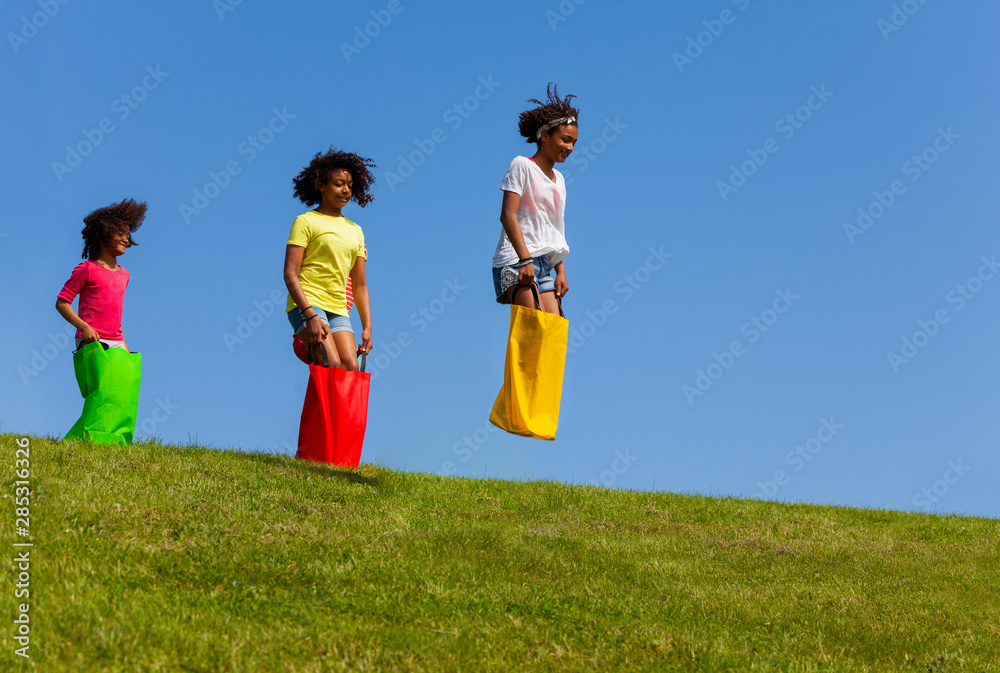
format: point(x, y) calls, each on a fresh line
point(161, 558)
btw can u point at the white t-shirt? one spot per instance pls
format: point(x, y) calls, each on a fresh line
point(540, 213)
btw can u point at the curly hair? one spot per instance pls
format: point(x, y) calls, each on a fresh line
point(103, 223)
point(555, 108)
point(321, 168)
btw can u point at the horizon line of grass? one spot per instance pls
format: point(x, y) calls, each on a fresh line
point(163, 557)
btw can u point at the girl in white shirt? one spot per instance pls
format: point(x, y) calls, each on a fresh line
point(533, 241)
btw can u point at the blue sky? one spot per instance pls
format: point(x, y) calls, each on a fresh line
point(741, 327)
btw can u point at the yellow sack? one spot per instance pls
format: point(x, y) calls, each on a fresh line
point(528, 403)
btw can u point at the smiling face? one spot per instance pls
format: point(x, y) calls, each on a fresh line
point(337, 191)
point(558, 143)
point(118, 241)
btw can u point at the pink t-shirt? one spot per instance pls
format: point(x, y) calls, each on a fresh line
point(102, 294)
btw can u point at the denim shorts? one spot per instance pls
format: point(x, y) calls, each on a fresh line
point(505, 278)
point(336, 322)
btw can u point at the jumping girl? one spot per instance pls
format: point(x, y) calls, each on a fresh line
point(100, 281)
point(533, 241)
point(325, 259)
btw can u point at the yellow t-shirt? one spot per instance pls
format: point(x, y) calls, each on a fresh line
point(332, 245)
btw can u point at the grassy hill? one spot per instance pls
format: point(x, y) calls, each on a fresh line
point(161, 558)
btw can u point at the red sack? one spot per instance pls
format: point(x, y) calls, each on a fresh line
point(300, 350)
point(334, 416)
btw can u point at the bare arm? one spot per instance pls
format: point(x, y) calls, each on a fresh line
point(316, 330)
point(65, 309)
point(359, 283)
point(562, 286)
point(508, 218)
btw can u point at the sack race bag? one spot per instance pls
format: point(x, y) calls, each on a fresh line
point(300, 350)
point(528, 402)
point(334, 416)
point(109, 382)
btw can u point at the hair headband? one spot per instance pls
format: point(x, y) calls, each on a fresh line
point(553, 124)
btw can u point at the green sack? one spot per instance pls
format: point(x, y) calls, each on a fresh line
point(109, 382)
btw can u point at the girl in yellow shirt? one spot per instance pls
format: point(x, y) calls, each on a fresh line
point(324, 251)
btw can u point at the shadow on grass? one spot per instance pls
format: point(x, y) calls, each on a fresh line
point(318, 469)
point(267, 459)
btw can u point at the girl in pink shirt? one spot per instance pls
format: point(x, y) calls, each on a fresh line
point(100, 281)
